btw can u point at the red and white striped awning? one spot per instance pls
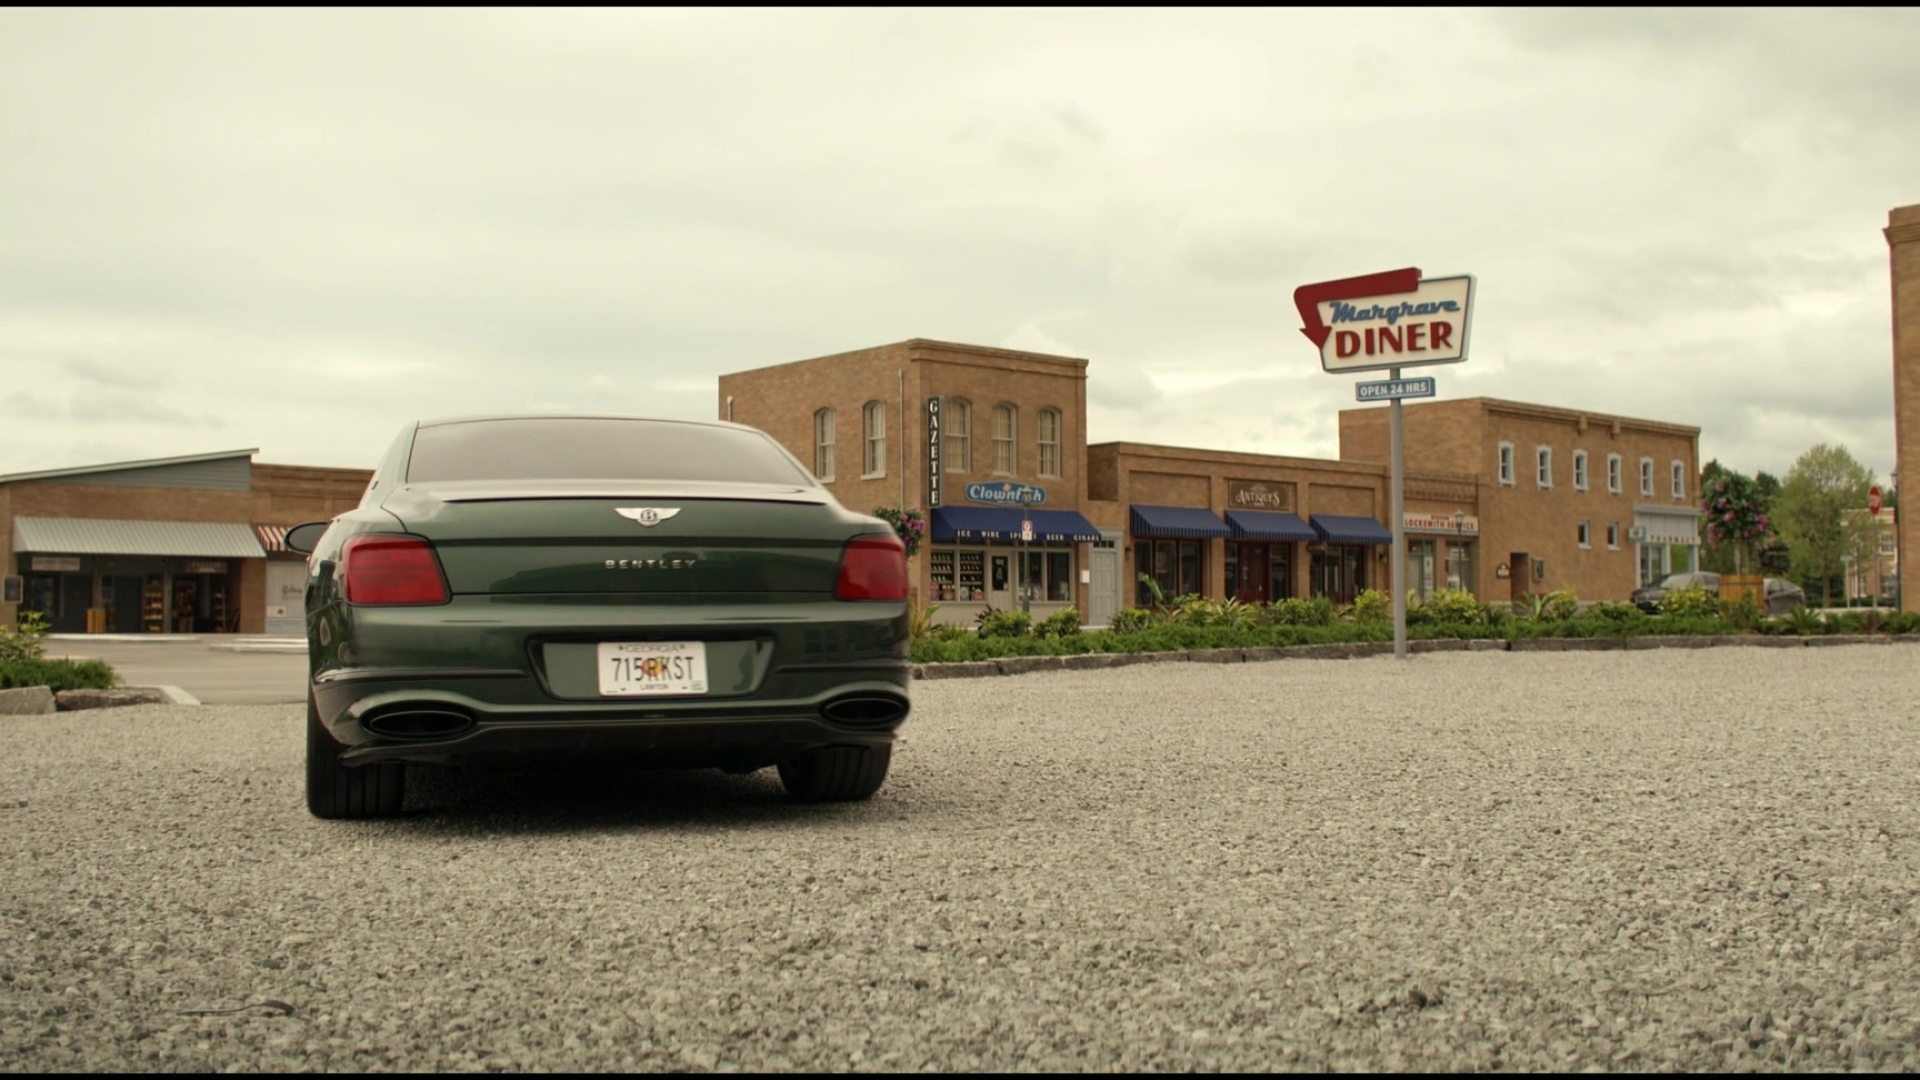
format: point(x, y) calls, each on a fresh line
point(273, 537)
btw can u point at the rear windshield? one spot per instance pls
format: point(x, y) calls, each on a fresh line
point(595, 448)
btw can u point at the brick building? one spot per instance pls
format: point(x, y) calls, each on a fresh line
point(1903, 257)
point(170, 545)
point(1569, 499)
point(967, 432)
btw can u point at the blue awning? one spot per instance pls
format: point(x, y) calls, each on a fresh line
point(1175, 521)
point(1268, 525)
point(1340, 529)
point(1003, 523)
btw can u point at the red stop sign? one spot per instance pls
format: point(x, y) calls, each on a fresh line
point(1873, 499)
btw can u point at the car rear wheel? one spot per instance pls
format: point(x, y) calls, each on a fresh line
point(836, 774)
point(335, 791)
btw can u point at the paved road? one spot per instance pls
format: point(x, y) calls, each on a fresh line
point(214, 670)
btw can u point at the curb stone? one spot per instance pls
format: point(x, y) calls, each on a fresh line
point(1354, 649)
point(74, 700)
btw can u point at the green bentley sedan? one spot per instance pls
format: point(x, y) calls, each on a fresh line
point(545, 588)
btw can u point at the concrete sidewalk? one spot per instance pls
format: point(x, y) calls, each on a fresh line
point(76, 643)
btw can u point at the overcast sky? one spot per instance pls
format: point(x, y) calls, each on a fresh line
point(297, 229)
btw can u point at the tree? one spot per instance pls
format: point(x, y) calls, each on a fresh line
point(1811, 511)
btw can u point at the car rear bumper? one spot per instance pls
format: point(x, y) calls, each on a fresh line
point(465, 682)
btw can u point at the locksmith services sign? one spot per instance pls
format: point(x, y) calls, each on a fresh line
point(1388, 320)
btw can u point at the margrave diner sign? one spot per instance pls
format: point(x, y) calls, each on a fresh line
point(1387, 320)
point(1007, 493)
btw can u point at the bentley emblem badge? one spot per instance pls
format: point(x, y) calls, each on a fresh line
point(646, 515)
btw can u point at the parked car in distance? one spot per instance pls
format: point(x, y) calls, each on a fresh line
point(543, 587)
point(1782, 595)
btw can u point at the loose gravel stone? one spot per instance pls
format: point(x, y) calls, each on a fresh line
point(1624, 860)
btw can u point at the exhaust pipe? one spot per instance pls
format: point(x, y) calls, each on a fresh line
point(419, 723)
point(865, 710)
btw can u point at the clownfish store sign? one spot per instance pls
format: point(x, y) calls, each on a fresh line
point(1388, 320)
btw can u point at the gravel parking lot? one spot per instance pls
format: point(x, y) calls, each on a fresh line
point(1668, 859)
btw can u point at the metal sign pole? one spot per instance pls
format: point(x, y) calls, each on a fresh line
point(1397, 577)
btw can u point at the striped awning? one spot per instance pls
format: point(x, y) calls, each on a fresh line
point(1190, 522)
point(1344, 529)
point(1268, 525)
point(273, 537)
point(107, 536)
point(1003, 523)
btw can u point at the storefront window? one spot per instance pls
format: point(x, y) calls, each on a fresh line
point(1050, 575)
point(1421, 560)
point(1339, 571)
point(1174, 565)
point(1460, 565)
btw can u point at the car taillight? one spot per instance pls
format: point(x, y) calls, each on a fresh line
point(391, 570)
point(872, 568)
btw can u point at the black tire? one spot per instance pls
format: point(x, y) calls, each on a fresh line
point(334, 791)
point(836, 774)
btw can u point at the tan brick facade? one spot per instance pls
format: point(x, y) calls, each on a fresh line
point(1521, 517)
point(783, 401)
point(1903, 256)
point(279, 495)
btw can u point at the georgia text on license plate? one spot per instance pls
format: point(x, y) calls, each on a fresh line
point(644, 668)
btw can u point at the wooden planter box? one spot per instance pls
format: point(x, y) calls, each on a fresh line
point(1735, 586)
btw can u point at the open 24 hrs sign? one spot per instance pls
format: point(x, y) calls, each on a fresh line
point(1389, 320)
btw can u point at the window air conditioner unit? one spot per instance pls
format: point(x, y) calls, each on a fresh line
point(1637, 534)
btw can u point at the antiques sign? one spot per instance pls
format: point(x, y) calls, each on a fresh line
point(1253, 495)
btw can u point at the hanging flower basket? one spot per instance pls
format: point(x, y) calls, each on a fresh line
point(909, 525)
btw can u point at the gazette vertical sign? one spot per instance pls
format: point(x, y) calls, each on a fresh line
point(933, 452)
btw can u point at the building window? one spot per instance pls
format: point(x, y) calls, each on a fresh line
point(1680, 480)
point(1049, 575)
point(1887, 540)
point(823, 445)
point(1174, 565)
point(1613, 535)
point(1005, 427)
point(1049, 442)
point(1646, 476)
point(1613, 474)
point(875, 416)
point(958, 419)
point(1579, 470)
point(1543, 466)
point(1586, 533)
point(1506, 463)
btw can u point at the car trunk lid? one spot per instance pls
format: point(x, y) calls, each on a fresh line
point(662, 539)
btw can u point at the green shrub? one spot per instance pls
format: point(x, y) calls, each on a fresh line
point(1560, 605)
point(1372, 606)
point(1498, 613)
point(1299, 611)
point(1131, 621)
point(1062, 623)
point(26, 643)
point(1902, 622)
point(1804, 621)
point(1842, 622)
point(1743, 613)
point(1614, 611)
point(1005, 624)
point(1692, 602)
point(1451, 606)
point(57, 675)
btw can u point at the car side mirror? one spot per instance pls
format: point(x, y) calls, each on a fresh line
point(304, 538)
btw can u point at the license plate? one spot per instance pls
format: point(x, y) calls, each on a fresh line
point(652, 668)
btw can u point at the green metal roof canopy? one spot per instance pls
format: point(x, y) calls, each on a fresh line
point(104, 536)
